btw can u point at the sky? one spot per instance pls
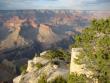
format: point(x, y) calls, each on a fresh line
point(55, 4)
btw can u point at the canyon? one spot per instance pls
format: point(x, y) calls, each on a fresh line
point(25, 33)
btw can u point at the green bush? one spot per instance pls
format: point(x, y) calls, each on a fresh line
point(38, 65)
point(42, 79)
point(51, 54)
point(58, 79)
point(23, 69)
point(61, 54)
point(75, 78)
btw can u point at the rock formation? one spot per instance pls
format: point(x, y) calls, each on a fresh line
point(76, 68)
point(32, 22)
point(46, 36)
point(14, 38)
point(49, 69)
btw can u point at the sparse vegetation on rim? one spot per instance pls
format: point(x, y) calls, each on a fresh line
point(95, 41)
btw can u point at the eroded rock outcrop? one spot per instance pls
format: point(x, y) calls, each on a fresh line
point(76, 68)
point(46, 36)
point(49, 69)
point(32, 22)
point(14, 38)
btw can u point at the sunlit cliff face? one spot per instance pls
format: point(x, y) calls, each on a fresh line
point(14, 25)
point(14, 22)
point(46, 35)
point(32, 22)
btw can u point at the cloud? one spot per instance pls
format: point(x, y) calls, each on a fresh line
point(103, 1)
point(55, 4)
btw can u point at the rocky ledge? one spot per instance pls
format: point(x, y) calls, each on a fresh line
point(40, 66)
